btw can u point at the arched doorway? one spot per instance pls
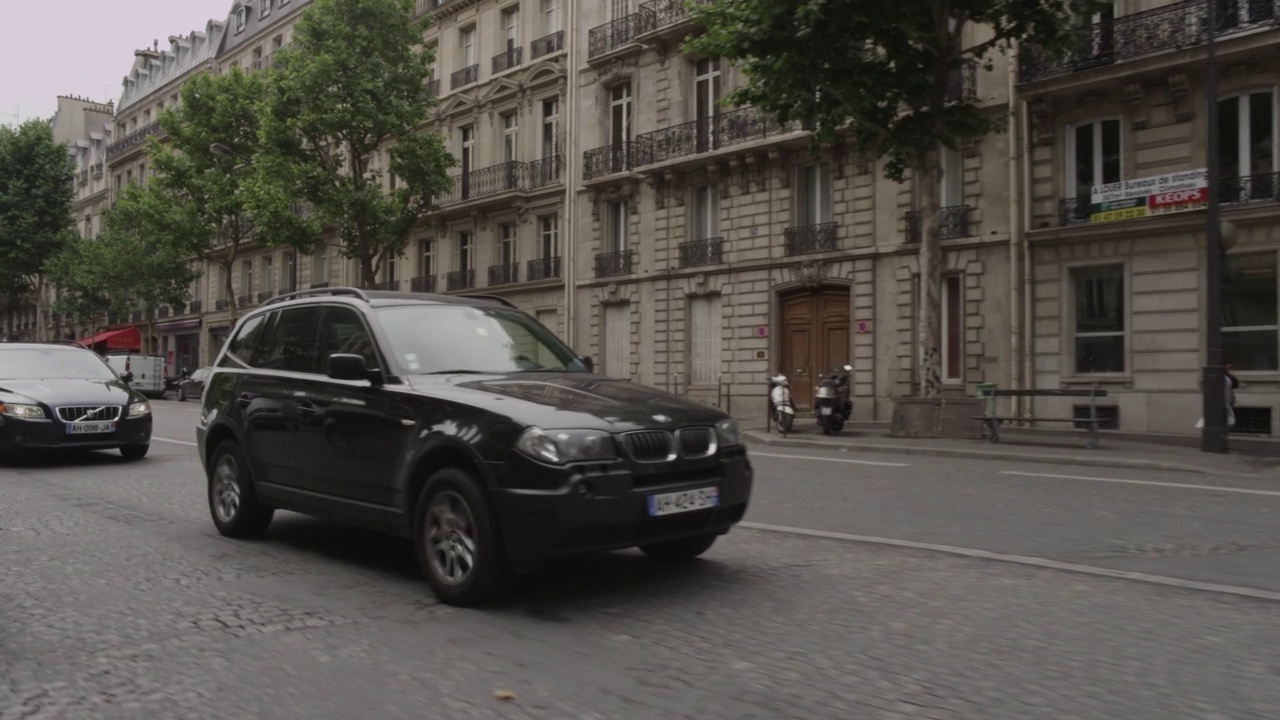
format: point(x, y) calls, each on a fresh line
point(815, 329)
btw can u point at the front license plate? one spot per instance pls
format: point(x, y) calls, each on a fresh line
point(90, 428)
point(683, 501)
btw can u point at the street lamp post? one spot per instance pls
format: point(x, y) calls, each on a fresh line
point(1213, 436)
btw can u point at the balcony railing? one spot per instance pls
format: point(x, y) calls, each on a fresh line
point(696, 253)
point(504, 274)
point(220, 305)
point(97, 170)
point(162, 311)
point(243, 301)
point(613, 35)
point(807, 239)
point(546, 171)
point(266, 295)
point(423, 284)
point(507, 60)
point(1231, 191)
point(547, 268)
point(195, 307)
point(433, 86)
point(460, 279)
point(612, 264)
point(1170, 28)
point(546, 45)
point(133, 139)
point(962, 86)
point(500, 178)
point(422, 7)
point(706, 134)
point(661, 13)
point(953, 222)
point(465, 76)
point(612, 159)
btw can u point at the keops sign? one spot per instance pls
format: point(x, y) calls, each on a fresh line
point(1144, 197)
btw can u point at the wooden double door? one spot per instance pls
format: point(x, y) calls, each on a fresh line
point(815, 338)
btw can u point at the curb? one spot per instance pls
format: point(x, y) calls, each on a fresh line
point(757, 438)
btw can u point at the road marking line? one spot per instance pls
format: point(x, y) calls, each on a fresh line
point(1189, 486)
point(175, 442)
point(826, 459)
point(1022, 560)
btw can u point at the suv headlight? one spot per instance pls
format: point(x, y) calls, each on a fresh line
point(26, 412)
point(566, 446)
point(728, 433)
point(139, 409)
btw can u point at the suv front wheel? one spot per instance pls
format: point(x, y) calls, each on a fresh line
point(232, 499)
point(457, 541)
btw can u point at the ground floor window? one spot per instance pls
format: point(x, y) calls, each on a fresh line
point(953, 328)
point(1099, 322)
point(1250, 336)
point(704, 340)
point(617, 340)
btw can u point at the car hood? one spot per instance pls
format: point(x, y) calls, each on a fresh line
point(61, 391)
point(569, 400)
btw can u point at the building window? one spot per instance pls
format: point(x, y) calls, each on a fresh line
point(277, 42)
point(1099, 319)
point(704, 340)
point(242, 16)
point(706, 101)
point(510, 126)
point(467, 46)
point(549, 236)
point(617, 235)
point(320, 267)
point(620, 114)
point(953, 328)
point(551, 16)
point(619, 9)
point(507, 244)
point(617, 340)
point(706, 213)
point(427, 255)
point(1246, 139)
point(468, 136)
point(951, 182)
point(246, 277)
point(268, 274)
point(511, 28)
point(264, 8)
point(1249, 312)
point(1093, 152)
point(464, 259)
point(550, 127)
point(814, 195)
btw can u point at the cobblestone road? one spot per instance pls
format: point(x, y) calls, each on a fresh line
point(118, 600)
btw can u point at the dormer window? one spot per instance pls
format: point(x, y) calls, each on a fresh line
point(264, 8)
point(242, 17)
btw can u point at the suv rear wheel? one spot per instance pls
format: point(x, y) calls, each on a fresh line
point(457, 541)
point(232, 499)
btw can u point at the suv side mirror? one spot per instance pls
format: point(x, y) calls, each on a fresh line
point(587, 363)
point(343, 366)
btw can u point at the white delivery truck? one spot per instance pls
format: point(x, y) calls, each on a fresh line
point(148, 371)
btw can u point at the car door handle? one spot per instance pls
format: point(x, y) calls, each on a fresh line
point(308, 408)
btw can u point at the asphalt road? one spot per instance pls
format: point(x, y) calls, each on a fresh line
point(119, 600)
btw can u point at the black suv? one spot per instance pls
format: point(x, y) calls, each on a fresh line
point(462, 423)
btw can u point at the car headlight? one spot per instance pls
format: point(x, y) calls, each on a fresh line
point(728, 433)
point(26, 412)
point(566, 446)
point(139, 409)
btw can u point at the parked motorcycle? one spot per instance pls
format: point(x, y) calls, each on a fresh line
point(174, 383)
point(781, 409)
point(832, 401)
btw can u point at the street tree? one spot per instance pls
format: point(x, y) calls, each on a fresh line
point(883, 75)
point(351, 89)
point(36, 196)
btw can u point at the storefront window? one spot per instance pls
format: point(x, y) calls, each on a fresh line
point(1249, 312)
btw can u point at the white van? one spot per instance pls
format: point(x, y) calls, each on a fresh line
point(148, 371)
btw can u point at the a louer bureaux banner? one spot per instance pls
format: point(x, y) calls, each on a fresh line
point(1144, 197)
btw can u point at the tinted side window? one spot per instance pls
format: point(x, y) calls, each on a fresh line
point(291, 342)
point(240, 348)
point(343, 331)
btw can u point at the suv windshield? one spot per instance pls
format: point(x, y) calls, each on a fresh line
point(461, 338)
point(53, 362)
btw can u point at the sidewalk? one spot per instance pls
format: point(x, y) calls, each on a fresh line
point(1250, 457)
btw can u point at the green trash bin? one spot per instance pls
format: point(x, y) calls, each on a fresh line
point(987, 392)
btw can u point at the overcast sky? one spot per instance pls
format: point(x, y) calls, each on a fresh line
point(83, 47)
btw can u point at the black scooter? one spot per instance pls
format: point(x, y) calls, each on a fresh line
point(832, 400)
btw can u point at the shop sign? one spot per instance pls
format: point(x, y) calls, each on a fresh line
point(1146, 197)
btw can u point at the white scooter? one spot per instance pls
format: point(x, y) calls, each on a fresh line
point(781, 409)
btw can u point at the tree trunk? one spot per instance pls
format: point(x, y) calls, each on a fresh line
point(229, 287)
point(40, 334)
point(929, 330)
point(368, 271)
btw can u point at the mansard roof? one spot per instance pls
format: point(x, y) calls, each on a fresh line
point(255, 24)
point(158, 68)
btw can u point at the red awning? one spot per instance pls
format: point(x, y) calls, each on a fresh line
point(125, 338)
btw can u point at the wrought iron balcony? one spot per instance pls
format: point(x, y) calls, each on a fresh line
point(422, 7)
point(423, 284)
point(546, 45)
point(612, 264)
point(962, 86)
point(133, 139)
point(195, 307)
point(1073, 210)
point(546, 171)
point(97, 170)
point(433, 86)
point(696, 253)
point(163, 311)
point(724, 130)
point(244, 301)
point(953, 222)
point(465, 76)
point(492, 180)
point(614, 35)
point(1250, 188)
point(507, 60)
point(547, 268)
point(668, 15)
point(612, 159)
point(504, 274)
point(808, 239)
point(137, 317)
point(460, 279)
point(1170, 28)
point(221, 305)
point(266, 295)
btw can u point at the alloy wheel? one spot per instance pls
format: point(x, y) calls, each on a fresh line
point(450, 538)
point(226, 489)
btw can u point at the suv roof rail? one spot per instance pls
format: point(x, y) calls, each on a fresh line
point(345, 291)
point(494, 298)
point(77, 343)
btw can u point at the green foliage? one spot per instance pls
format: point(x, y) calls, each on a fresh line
point(36, 196)
point(354, 81)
